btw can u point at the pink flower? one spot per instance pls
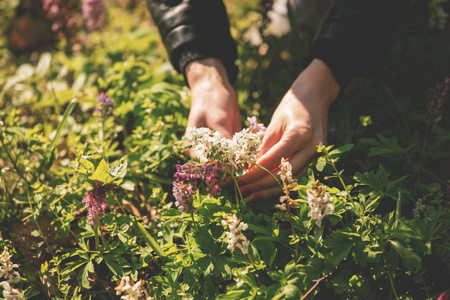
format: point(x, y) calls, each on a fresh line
point(95, 200)
point(444, 296)
point(104, 107)
point(436, 100)
point(93, 12)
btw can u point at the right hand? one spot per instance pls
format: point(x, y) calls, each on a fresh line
point(214, 102)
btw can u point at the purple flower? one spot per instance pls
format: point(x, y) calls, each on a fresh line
point(104, 107)
point(212, 172)
point(183, 194)
point(436, 100)
point(254, 126)
point(95, 200)
point(93, 12)
point(187, 177)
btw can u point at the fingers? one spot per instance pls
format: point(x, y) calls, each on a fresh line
point(270, 192)
point(289, 143)
point(299, 161)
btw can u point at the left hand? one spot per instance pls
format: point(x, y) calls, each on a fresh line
point(297, 126)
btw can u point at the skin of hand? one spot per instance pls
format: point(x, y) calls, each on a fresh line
point(297, 126)
point(213, 100)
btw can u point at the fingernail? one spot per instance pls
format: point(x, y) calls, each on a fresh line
point(256, 197)
point(245, 191)
point(240, 182)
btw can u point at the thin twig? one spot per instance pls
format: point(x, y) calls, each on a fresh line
point(315, 285)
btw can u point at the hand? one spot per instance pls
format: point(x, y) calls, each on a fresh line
point(214, 101)
point(297, 126)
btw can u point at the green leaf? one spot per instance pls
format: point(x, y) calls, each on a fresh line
point(73, 265)
point(321, 163)
point(340, 244)
point(152, 242)
point(101, 173)
point(289, 268)
point(119, 171)
point(410, 260)
point(338, 151)
point(83, 276)
point(115, 268)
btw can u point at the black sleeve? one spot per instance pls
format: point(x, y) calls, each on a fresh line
point(355, 35)
point(194, 29)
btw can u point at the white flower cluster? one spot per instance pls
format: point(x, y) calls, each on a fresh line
point(235, 237)
point(320, 204)
point(289, 182)
point(282, 206)
point(7, 271)
point(10, 293)
point(239, 152)
point(132, 290)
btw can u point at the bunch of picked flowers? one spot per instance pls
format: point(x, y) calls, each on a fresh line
point(236, 153)
point(224, 156)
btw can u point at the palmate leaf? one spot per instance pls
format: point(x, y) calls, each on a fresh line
point(379, 182)
point(83, 276)
point(340, 244)
point(410, 259)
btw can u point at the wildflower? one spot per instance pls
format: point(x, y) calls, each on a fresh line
point(105, 106)
point(132, 290)
point(183, 194)
point(289, 183)
point(235, 237)
point(236, 153)
point(212, 173)
point(7, 268)
point(254, 126)
point(186, 183)
point(282, 206)
point(421, 210)
point(93, 12)
point(243, 148)
point(319, 203)
point(95, 200)
point(436, 100)
point(10, 293)
point(52, 7)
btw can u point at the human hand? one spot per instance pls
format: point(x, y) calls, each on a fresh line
point(297, 126)
point(214, 102)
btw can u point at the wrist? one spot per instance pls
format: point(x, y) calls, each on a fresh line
point(206, 72)
point(318, 79)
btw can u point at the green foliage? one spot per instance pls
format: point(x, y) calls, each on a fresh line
point(387, 237)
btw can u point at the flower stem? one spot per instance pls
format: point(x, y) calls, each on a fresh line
point(237, 192)
point(390, 278)
point(292, 228)
point(99, 228)
point(193, 220)
point(271, 174)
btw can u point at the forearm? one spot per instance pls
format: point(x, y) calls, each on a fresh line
point(355, 35)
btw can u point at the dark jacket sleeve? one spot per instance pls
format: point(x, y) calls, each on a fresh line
point(355, 35)
point(195, 29)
